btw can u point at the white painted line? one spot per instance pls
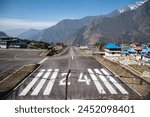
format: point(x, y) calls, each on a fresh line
point(30, 85)
point(120, 88)
point(51, 83)
point(15, 57)
point(105, 72)
point(106, 83)
point(41, 83)
point(80, 75)
point(43, 60)
point(72, 57)
point(97, 84)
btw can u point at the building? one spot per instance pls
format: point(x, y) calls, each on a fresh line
point(112, 49)
point(84, 48)
point(4, 40)
point(9, 42)
point(135, 44)
point(3, 44)
point(131, 51)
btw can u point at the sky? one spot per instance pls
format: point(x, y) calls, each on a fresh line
point(41, 14)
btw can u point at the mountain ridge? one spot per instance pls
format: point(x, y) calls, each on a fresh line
point(3, 34)
point(124, 27)
point(65, 30)
point(28, 34)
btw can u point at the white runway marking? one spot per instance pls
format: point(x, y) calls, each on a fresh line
point(106, 83)
point(42, 82)
point(43, 60)
point(63, 81)
point(51, 83)
point(96, 82)
point(72, 57)
point(84, 78)
point(122, 90)
point(106, 79)
point(30, 85)
point(15, 57)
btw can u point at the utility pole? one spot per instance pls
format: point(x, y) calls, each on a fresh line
point(66, 96)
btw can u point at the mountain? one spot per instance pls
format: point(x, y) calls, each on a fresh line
point(63, 29)
point(2, 33)
point(29, 34)
point(14, 32)
point(69, 29)
point(132, 6)
point(127, 26)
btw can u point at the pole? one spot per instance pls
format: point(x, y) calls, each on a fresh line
point(66, 96)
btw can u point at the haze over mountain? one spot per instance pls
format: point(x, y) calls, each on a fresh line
point(28, 34)
point(15, 32)
point(60, 31)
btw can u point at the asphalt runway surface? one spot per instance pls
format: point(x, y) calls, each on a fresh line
point(88, 79)
point(13, 59)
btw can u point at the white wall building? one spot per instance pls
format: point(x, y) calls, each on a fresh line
point(3, 44)
point(112, 50)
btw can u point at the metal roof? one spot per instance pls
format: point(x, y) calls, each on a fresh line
point(112, 46)
point(4, 37)
point(146, 50)
point(131, 50)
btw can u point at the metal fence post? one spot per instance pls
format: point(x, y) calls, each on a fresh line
point(66, 96)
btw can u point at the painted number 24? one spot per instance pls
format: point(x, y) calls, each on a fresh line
point(82, 78)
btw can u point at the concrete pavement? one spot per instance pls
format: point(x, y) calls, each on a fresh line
point(12, 59)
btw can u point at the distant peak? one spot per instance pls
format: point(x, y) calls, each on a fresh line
point(32, 29)
point(132, 6)
point(136, 5)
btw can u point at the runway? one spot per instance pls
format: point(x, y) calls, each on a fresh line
point(88, 79)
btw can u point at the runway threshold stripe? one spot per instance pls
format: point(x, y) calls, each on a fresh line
point(51, 83)
point(30, 85)
point(41, 83)
point(106, 83)
point(96, 82)
point(120, 88)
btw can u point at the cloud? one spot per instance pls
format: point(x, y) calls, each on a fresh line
point(24, 24)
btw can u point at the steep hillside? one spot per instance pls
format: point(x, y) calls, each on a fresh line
point(132, 25)
point(2, 33)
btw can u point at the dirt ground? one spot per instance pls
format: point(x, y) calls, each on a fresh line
point(126, 76)
point(141, 68)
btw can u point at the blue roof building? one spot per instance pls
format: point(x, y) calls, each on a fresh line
point(112, 49)
point(112, 46)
